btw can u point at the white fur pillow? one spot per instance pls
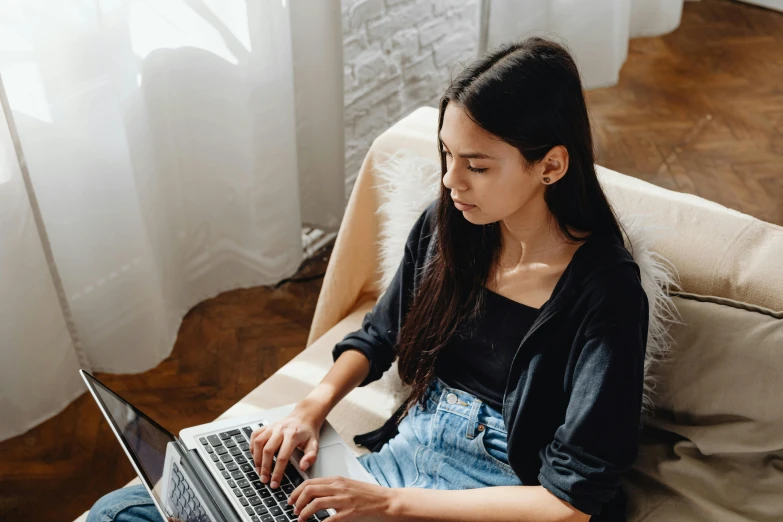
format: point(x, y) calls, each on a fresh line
point(409, 182)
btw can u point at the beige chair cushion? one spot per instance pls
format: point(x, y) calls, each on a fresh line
point(714, 450)
point(724, 380)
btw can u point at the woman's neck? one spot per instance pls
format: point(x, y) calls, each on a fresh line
point(528, 242)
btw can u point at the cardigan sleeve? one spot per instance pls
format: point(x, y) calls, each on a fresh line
point(377, 337)
point(598, 441)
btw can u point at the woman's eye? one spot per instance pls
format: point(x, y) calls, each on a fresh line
point(472, 169)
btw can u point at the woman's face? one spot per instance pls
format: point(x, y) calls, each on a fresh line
point(483, 171)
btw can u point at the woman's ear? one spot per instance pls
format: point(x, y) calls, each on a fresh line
point(554, 165)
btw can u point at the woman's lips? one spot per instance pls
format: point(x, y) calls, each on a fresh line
point(463, 206)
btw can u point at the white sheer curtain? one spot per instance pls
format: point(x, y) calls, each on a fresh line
point(597, 31)
point(152, 154)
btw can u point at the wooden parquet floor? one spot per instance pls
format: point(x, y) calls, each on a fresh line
point(699, 110)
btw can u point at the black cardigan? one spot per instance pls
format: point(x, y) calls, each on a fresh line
point(573, 399)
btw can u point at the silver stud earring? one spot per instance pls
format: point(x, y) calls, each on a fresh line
point(546, 180)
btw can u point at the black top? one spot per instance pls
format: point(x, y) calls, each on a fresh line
point(478, 358)
point(574, 390)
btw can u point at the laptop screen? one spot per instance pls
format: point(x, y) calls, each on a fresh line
point(143, 438)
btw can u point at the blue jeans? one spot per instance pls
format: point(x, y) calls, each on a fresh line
point(131, 504)
point(456, 442)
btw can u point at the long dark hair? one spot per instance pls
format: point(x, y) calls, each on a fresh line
point(528, 94)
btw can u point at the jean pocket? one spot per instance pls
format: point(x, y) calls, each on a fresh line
point(494, 446)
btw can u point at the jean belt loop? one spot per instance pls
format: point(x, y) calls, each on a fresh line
point(435, 390)
point(473, 419)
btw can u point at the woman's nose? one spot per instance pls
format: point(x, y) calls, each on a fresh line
point(452, 180)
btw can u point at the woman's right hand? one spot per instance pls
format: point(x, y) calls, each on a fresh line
point(298, 430)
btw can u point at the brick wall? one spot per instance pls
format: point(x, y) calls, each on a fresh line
point(399, 55)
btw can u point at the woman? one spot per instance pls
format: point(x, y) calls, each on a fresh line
point(517, 317)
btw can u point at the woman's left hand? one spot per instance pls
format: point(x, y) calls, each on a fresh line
point(352, 499)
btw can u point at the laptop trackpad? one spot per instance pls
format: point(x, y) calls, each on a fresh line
point(335, 460)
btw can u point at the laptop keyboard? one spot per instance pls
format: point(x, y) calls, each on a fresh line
point(230, 453)
point(186, 506)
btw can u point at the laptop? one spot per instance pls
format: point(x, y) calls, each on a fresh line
point(207, 474)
